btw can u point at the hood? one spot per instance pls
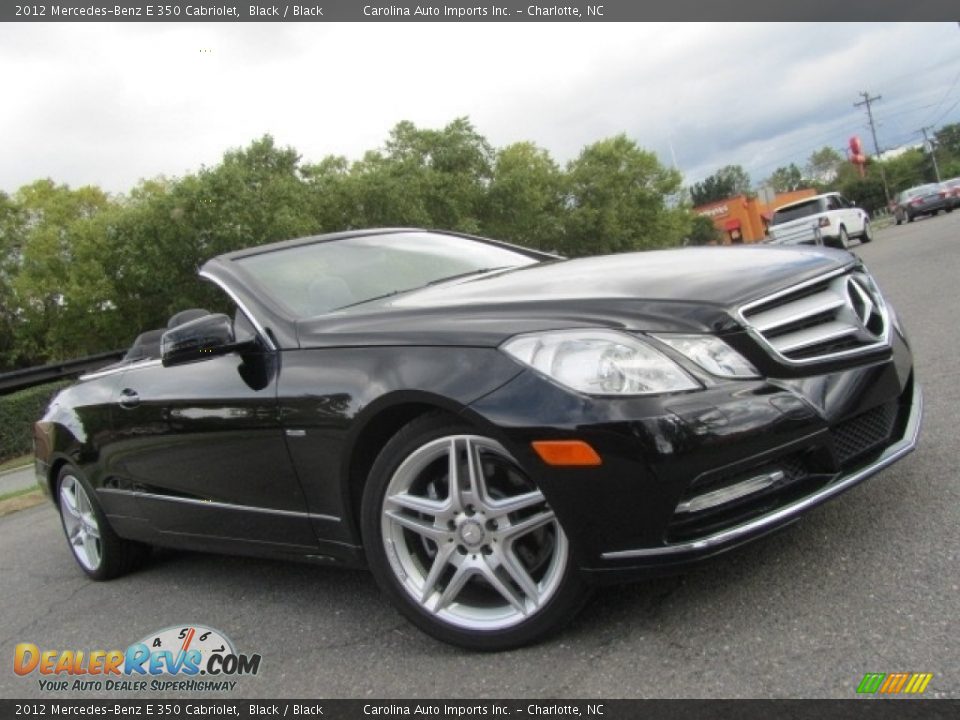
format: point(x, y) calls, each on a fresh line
point(685, 290)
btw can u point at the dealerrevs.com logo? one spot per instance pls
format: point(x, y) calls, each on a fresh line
point(178, 658)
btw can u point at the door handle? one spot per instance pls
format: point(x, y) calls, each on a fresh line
point(129, 398)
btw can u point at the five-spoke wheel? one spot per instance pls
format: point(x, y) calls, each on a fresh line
point(80, 524)
point(100, 552)
point(457, 531)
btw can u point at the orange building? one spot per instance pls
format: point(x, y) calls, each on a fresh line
point(743, 219)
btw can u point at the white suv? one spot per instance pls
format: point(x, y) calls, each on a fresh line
point(826, 219)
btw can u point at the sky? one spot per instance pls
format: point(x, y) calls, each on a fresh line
point(109, 104)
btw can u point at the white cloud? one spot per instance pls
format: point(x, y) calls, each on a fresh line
point(110, 103)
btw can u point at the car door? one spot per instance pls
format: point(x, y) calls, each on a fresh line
point(858, 217)
point(201, 446)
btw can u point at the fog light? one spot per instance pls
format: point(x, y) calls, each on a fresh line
point(731, 492)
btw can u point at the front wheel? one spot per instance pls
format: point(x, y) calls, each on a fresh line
point(463, 542)
point(867, 235)
point(98, 550)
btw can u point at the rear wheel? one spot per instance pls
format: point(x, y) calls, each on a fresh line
point(98, 550)
point(463, 542)
point(909, 217)
point(843, 240)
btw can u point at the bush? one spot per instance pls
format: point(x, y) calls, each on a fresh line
point(18, 412)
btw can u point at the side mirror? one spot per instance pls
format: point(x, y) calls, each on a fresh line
point(198, 339)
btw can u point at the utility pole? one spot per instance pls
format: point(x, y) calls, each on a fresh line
point(873, 131)
point(928, 142)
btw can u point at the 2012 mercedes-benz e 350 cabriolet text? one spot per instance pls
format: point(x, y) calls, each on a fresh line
point(491, 429)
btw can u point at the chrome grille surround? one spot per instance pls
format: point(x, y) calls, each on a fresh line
point(834, 316)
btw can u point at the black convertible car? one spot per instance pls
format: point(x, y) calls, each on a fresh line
point(490, 428)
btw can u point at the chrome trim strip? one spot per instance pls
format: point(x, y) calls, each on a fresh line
point(240, 304)
point(214, 504)
point(758, 336)
point(742, 532)
point(150, 362)
point(833, 330)
point(812, 305)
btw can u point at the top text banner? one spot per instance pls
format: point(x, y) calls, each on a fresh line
point(478, 11)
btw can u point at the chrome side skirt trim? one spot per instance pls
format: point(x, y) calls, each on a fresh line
point(218, 505)
point(743, 532)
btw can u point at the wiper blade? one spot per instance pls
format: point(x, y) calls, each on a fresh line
point(468, 274)
point(420, 287)
point(369, 300)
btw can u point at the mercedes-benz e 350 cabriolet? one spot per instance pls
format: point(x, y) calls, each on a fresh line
point(491, 429)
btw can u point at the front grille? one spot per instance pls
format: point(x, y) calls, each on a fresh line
point(831, 317)
point(867, 431)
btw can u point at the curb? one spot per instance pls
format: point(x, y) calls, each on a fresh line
point(10, 471)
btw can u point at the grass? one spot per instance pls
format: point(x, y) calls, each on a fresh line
point(17, 462)
point(20, 500)
point(17, 493)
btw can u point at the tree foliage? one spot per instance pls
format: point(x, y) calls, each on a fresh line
point(824, 165)
point(617, 200)
point(786, 179)
point(728, 181)
point(82, 272)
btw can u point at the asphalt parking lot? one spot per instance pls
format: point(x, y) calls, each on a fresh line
point(868, 583)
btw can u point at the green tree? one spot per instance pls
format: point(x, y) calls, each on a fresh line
point(617, 200)
point(48, 323)
point(703, 231)
point(524, 202)
point(433, 178)
point(824, 165)
point(947, 139)
point(728, 181)
point(786, 179)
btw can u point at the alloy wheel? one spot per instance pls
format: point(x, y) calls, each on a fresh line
point(80, 523)
point(469, 537)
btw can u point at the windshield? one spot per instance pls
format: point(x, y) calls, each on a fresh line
point(795, 212)
point(321, 277)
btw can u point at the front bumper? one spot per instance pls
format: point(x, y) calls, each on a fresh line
point(820, 434)
point(731, 537)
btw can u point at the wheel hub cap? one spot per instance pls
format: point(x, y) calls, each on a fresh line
point(472, 533)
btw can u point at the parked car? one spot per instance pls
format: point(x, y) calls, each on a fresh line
point(927, 199)
point(491, 429)
point(828, 219)
point(952, 188)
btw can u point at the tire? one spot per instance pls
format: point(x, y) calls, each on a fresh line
point(493, 569)
point(909, 217)
point(98, 550)
point(843, 240)
point(898, 218)
point(866, 236)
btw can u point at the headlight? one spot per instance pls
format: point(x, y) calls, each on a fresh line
point(600, 362)
point(712, 354)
